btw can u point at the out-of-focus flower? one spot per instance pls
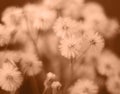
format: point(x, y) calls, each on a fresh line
point(83, 86)
point(30, 64)
point(65, 27)
point(56, 5)
point(10, 55)
point(95, 41)
point(12, 16)
point(111, 29)
point(71, 47)
point(113, 85)
point(94, 17)
point(93, 12)
point(50, 75)
point(72, 8)
point(108, 63)
point(40, 17)
point(56, 85)
point(4, 36)
point(10, 78)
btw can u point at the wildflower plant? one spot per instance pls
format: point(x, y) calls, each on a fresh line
point(58, 47)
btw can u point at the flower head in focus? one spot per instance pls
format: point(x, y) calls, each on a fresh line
point(83, 86)
point(111, 29)
point(65, 27)
point(12, 16)
point(71, 47)
point(50, 77)
point(10, 78)
point(95, 41)
point(72, 8)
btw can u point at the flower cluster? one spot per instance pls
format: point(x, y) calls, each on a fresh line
point(42, 37)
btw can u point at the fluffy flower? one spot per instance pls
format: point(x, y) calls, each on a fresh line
point(49, 79)
point(71, 47)
point(56, 5)
point(94, 17)
point(5, 35)
point(72, 8)
point(30, 65)
point(95, 41)
point(40, 17)
point(10, 78)
point(111, 29)
point(108, 63)
point(83, 86)
point(12, 15)
point(113, 85)
point(65, 27)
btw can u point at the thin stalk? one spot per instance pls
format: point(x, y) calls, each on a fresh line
point(44, 91)
point(34, 85)
point(71, 70)
point(30, 36)
point(12, 92)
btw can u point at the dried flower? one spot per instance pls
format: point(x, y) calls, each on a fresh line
point(49, 79)
point(72, 8)
point(56, 5)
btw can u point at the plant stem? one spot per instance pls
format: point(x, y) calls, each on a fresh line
point(12, 92)
point(71, 70)
point(44, 91)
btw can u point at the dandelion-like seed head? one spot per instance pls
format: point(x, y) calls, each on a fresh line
point(95, 41)
point(65, 27)
point(70, 47)
point(30, 65)
point(10, 78)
